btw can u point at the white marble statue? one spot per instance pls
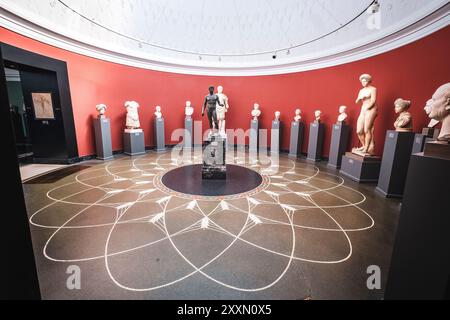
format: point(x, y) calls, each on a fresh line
point(433, 123)
point(101, 109)
point(277, 116)
point(132, 122)
point(440, 111)
point(318, 115)
point(221, 108)
point(298, 115)
point(189, 111)
point(158, 113)
point(366, 122)
point(342, 114)
point(256, 112)
point(404, 121)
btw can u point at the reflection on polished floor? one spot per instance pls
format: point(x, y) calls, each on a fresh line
point(304, 232)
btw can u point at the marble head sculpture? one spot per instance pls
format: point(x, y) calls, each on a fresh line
point(318, 115)
point(404, 120)
point(342, 114)
point(277, 115)
point(256, 112)
point(189, 110)
point(440, 110)
point(298, 115)
point(158, 113)
point(101, 109)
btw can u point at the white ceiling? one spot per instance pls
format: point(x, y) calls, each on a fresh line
point(221, 33)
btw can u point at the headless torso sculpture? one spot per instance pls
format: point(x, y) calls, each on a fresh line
point(211, 102)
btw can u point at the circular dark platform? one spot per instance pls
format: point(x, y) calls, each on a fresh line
point(188, 180)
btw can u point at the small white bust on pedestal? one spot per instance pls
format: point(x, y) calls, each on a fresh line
point(298, 115)
point(342, 115)
point(433, 123)
point(256, 112)
point(318, 115)
point(277, 116)
point(132, 123)
point(158, 113)
point(189, 111)
point(101, 109)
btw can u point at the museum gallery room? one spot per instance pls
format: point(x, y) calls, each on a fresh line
point(255, 150)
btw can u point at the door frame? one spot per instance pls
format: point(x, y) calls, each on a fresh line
point(18, 276)
point(34, 60)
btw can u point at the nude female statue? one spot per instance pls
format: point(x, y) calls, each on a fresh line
point(366, 120)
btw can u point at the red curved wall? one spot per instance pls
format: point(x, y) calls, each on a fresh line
point(412, 72)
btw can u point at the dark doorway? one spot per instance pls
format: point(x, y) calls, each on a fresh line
point(40, 107)
point(19, 115)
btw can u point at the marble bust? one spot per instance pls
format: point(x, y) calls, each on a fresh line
point(298, 115)
point(318, 115)
point(101, 109)
point(440, 111)
point(404, 120)
point(433, 123)
point(158, 113)
point(132, 122)
point(342, 115)
point(277, 116)
point(256, 112)
point(189, 111)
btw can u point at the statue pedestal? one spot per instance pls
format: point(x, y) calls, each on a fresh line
point(431, 132)
point(102, 128)
point(188, 134)
point(133, 142)
point(420, 264)
point(275, 136)
point(394, 167)
point(437, 149)
point(339, 143)
point(419, 143)
point(359, 168)
point(297, 136)
point(254, 130)
point(159, 135)
point(315, 146)
point(214, 159)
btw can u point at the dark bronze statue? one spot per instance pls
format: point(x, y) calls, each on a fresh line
point(211, 101)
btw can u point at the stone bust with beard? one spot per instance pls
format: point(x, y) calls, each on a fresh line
point(440, 111)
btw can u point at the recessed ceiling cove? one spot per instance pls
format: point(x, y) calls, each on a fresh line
point(222, 37)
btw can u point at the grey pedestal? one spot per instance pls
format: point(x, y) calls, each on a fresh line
point(360, 169)
point(159, 135)
point(214, 159)
point(394, 167)
point(315, 146)
point(420, 264)
point(188, 134)
point(254, 130)
point(275, 136)
point(339, 143)
point(133, 143)
point(102, 128)
point(297, 136)
point(419, 143)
